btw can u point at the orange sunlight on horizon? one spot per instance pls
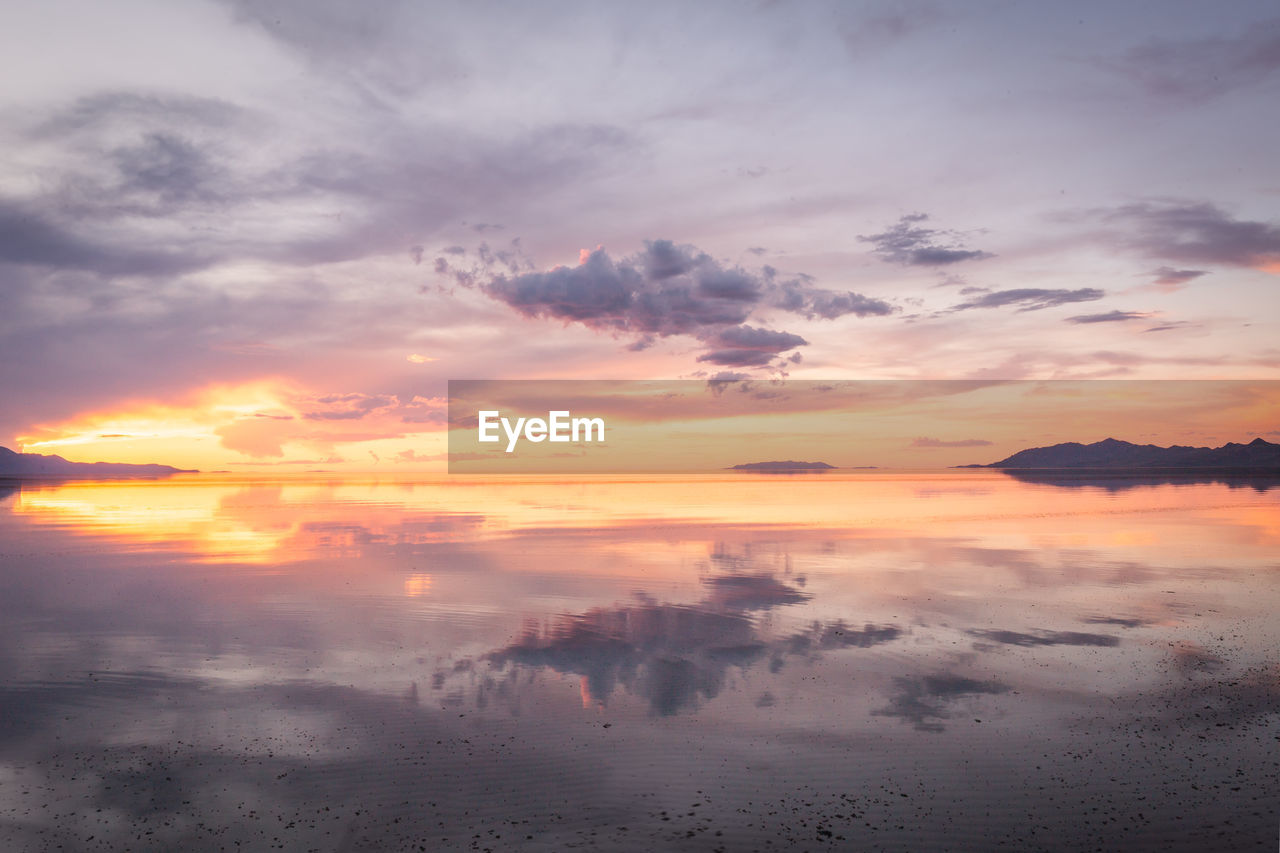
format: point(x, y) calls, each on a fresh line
point(254, 426)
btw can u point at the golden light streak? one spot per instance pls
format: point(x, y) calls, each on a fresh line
point(417, 584)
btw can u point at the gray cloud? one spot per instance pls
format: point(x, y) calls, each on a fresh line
point(910, 244)
point(925, 702)
point(1171, 278)
point(1031, 298)
point(1109, 317)
point(799, 297)
point(1195, 233)
point(153, 185)
point(1047, 638)
point(737, 357)
point(666, 289)
point(1120, 621)
point(1201, 68)
point(346, 407)
point(29, 236)
point(677, 655)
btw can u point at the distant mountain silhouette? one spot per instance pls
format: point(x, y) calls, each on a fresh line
point(31, 465)
point(782, 466)
point(1110, 453)
point(1124, 479)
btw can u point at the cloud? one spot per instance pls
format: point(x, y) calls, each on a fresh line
point(377, 51)
point(765, 340)
point(677, 655)
point(1047, 638)
point(746, 346)
point(925, 702)
point(347, 407)
point(752, 592)
point(253, 437)
point(664, 290)
point(937, 442)
point(1120, 621)
point(911, 245)
point(30, 236)
point(737, 358)
point(1109, 317)
point(1195, 233)
point(838, 635)
point(1171, 279)
point(1031, 298)
point(1202, 68)
point(815, 302)
point(155, 185)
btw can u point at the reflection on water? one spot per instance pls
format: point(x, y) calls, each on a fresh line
point(875, 661)
point(1128, 478)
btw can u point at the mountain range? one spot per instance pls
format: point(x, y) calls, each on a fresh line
point(788, 465)
point(1112, 453)
point(37, 465)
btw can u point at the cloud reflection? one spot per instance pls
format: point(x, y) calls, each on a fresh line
point(1124, 480)
point(676, 656)
point(926, 701)
point(1046, 638)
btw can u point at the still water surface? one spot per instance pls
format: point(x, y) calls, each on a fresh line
point(879, 661)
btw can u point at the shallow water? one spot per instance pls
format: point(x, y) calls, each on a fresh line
point(897, 661)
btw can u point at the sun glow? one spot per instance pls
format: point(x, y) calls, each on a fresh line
point(247, 426)
point(184, 430)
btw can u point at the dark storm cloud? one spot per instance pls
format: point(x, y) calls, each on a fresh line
point(1109, 317)
point(1200, 68)
point(1172, 278)
point(910, 244)
point(1196, 233)
point(666, 289)
point(926, 701)
point(1031, 298)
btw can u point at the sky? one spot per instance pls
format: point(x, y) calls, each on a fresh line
point(262, 236)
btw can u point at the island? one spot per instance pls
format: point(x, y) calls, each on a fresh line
point(1112, 453)
point(782, 466)
point(15, 465)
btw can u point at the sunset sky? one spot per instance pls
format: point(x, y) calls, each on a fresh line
point(264, 235)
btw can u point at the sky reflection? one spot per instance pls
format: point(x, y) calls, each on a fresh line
point(910, 621)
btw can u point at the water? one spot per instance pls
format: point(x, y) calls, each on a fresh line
point(881, 661)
